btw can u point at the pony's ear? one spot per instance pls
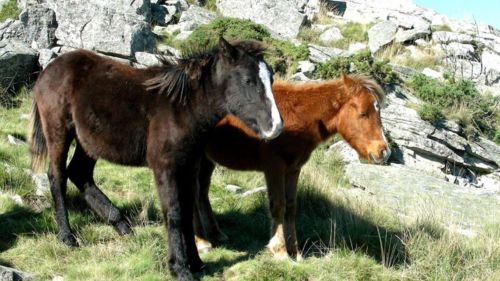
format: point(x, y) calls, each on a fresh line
point(346, 79)
point(227, 50)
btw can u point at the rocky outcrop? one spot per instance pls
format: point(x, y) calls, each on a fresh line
point(281, 18)
point(189, 21)
point(381, 34)
point(11, 274)
point(17, 64)
point(115, 27)
point(319, 54)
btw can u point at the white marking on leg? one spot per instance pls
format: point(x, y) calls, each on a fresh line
point(265, 77)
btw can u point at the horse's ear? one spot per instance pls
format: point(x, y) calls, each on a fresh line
point(227, 50)
point(346, 79)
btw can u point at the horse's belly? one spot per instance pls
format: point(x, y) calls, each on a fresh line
point(112, 137)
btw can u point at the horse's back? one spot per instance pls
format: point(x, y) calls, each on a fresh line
point(103, 100)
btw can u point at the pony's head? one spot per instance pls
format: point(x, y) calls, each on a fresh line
point(248, 81)
point(358, 119)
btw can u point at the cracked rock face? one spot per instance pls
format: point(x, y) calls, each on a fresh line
point(115, 27)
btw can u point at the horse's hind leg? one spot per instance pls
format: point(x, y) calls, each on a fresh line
point(58, 141)
point(80, 172)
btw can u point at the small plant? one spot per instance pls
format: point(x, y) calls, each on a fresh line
point(355, 32)
point(9, 10)
point(362, 62)
point(443, 27)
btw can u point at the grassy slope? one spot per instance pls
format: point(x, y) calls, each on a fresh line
point(343, 237)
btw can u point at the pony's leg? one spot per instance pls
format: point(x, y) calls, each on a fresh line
point(58, 143)
point(175, 189)
point(207, 216)
point(200, 236)
point(80, 172)
point(291, 180)
point(275, 179)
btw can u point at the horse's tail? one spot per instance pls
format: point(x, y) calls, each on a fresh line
point(38, 145)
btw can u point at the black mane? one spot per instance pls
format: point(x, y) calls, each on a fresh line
point(179, 76)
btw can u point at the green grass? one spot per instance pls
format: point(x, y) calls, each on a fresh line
point(361, 62)
point(351, 31)
point(459, 100)
point(342, 236)
point(443, 27)
point(282, 56)
point(9, 10)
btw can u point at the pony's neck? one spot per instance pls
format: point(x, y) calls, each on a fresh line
point(311, 108)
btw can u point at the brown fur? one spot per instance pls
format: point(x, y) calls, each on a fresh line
point(312, 113)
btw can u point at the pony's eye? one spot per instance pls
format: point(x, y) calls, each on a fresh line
point(247, 81)
point(363, 114)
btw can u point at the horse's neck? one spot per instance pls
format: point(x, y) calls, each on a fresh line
point(311, 109)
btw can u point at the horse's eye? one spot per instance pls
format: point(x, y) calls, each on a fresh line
point(364, 114)
point(247, 81)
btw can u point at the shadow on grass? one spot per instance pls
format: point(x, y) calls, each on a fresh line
point(322, 225)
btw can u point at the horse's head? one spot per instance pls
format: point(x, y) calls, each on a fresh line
point(359, 118)
point(248, 81)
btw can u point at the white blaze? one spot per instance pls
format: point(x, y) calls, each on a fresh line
point(265, 77)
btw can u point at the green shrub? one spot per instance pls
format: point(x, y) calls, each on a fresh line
point(430, 112)
point(361, 62)
point(478, 113)
point(355, 32)
point(282, 56)
point(9, 10)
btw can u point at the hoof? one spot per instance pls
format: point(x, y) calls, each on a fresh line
point(202, 245)
point(68, 238)
point(278, 249)
point(123, 227)
point(299, 257)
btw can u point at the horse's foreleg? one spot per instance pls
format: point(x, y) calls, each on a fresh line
point(80, 171)
point(200, 235)
point(291, 180)
point(175, 191)
point(275, 179)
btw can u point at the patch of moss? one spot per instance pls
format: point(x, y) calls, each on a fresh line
point(9, 10)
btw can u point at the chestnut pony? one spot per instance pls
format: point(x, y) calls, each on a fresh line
point(312, 113)
point(159, 117)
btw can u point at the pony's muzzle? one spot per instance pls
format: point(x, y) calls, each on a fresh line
point(275, 130)
point(384, 155)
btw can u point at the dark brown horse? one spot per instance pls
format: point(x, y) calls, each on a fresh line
point(312, 113)
point(159, 117)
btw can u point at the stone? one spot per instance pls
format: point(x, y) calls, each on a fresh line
point(11, 274)
point(356, 47)
point(168, 51)
point(405, 191)
point(18, 63)
point(42, 183)
point(458, 50)
point(146, 59)
point(432, 73)
point(261, 189)
point(306, 67)
point(299, 77)
point(445, 37)
point(380, 35)
point(427, 148)
point(45, 57)
point(319, 54)
point(15, 141)
point(491, 60)
point(330, 34)
point(346, 152)
point(410, 35)
point(189, 21)
point(114, 27)
point(38, 26)
point(281, 18)
point(233, 188)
